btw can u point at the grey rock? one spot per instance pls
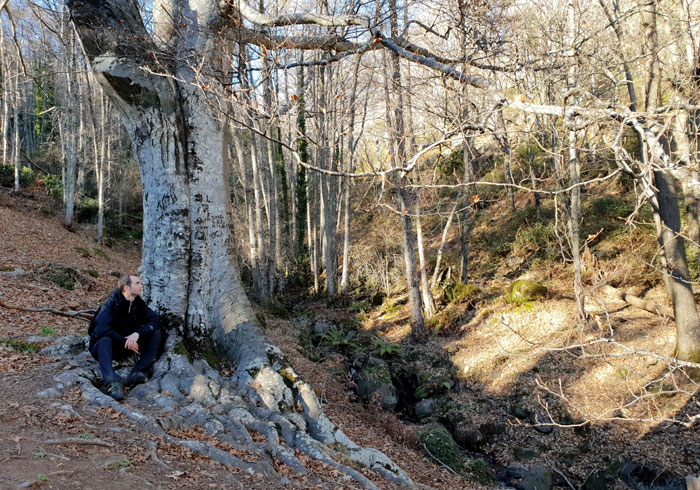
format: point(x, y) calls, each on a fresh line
point(195, 414)
point(425, 408)
point(49, 393)
point(541, 424)
point(515, 471)
point(468, 436)
point(67, 346)
point(376, 378)
point(145, 391)
point(175, 422)
point(164, 401)
point(213, 427)
point(38, 339)
point(644, 477)
point(93, 396)
point(322, 326)
point(170, 383)
point(200, 366)
point(201, 390)
point(537, 478)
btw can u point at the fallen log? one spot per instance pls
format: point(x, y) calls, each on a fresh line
point(649, 306)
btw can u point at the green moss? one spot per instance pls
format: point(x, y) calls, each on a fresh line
point(182, 350)
point(45, 331)
point(289, 377)
point(439, 446)
point(6, 268)
point(522, 290)
point(18, 345)
point(91, 272)
point(100, 253)
point(460, 293)
point(84, 252)
point(479, 471)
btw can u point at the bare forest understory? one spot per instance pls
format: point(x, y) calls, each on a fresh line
point(530, 398)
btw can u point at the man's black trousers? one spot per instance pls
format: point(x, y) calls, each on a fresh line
point(106, 350)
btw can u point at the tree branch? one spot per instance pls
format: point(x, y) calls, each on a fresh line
point(86, 315)
point(264, 20)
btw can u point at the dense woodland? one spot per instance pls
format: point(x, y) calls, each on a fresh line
point(412, 150)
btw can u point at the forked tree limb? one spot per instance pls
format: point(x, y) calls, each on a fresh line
point(86, 315)
point(649, 306)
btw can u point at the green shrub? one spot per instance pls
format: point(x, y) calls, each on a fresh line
point(54, 185)
point(461, 293)
point(536, 238)
point(87, 210)
point(611, 207)
point(7, 176)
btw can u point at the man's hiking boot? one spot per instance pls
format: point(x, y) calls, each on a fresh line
point(116, 390)
point(135, 378)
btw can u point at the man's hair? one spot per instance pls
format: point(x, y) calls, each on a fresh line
point(125, 280)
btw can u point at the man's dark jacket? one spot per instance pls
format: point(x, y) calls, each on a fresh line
point(117, 318)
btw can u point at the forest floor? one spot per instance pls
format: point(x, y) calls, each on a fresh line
point(603, 404)
point(68, 444)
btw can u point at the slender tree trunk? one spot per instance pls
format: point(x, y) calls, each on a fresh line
point(443, 239)
point(403, 195)
point(16, 144)
point(428, 301)
point(574, 214)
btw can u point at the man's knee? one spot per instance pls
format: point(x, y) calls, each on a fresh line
point(101, 346)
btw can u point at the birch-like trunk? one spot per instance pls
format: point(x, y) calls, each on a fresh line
point(428, 301)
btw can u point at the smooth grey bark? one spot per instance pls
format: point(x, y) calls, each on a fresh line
point(4, 66)
point(428, 301)
point(443, 239)
point(574, 207)
point(404, 196)
point(16, 129)
point(676, 276)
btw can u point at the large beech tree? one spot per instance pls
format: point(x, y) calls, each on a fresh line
point(157, 84)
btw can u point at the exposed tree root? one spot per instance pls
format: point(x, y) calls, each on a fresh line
point(267, 399)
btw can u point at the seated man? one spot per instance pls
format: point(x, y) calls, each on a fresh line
point(124, 325)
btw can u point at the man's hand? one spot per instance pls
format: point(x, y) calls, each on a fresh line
point(132, 342)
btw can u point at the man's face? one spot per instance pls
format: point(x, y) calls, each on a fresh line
point(136, 287)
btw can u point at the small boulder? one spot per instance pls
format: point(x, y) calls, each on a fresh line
point(425, 408)
point(438, 445)
point(523, 290)
point(376, 378)
point(644, 477)
point(537, 478)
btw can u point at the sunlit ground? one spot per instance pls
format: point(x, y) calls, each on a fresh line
point(599, 382)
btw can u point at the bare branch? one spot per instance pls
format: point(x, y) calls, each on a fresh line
point(265, 20)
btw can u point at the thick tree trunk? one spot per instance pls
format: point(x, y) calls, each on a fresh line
point(668, 225)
